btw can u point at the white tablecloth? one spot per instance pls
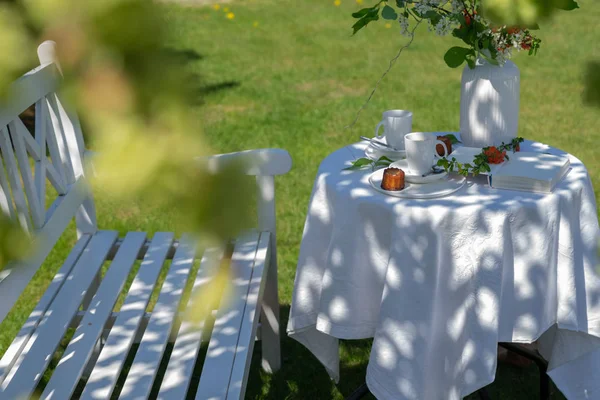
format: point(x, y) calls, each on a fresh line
point(438, 283)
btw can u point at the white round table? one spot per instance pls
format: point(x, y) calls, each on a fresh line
point(439, 282)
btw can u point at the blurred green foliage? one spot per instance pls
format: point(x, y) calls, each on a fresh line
point(133, 98)
point(591, 95)
point(524, 12)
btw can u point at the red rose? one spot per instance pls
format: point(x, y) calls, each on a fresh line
point(467, 17)
point(493, 155)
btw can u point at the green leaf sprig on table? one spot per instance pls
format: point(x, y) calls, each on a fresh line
point(361, 163)
point(481, 162)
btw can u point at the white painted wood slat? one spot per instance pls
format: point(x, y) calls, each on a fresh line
point(177, 377)
point(6, 202)
point(53, 149)
point(17, 133)
point(30, 143)
point(271, 347)
point(55, 179)
point(72, 141)
point(103, 378)
point(27, 90)
point(245, 344)
point(16, 275)
point(17, 345)
point(59, 134)
point(150, 352)
point(220, 357)
point(259, 162)
point(69, 369)
point(15, 180)
point(40, 163)
point(25, 375)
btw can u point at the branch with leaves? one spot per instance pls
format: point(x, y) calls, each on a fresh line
point(468, 21)
point(364, 162)
point(481, 162)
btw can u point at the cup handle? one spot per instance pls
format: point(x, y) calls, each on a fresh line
point(377, 130)
point(443, 145)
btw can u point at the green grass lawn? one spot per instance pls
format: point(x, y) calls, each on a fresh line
point(289, 75)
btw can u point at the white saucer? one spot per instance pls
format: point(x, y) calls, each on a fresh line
point(374, 152)
point(441, 188)
point(411, 177)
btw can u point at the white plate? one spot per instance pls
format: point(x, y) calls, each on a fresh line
point(440, 188)
point(411, 177)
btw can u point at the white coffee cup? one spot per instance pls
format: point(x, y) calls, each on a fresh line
point(421, 151)
point(396, 124)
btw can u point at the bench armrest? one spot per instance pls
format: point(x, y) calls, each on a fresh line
point(260, 162)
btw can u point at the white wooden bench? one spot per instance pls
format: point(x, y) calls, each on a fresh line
point(80, 297)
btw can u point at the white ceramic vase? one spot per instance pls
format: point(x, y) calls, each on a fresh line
point(489, 104)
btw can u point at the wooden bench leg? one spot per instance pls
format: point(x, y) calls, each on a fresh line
point(271, 346)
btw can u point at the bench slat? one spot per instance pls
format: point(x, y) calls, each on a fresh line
point(18, 133)
point(69, 370)
point(58, 180)
point(15, 180)
point(220, 357)
point(103, 378)
point(40, 163)
point(26, 90)
point(177, 377)
point(58, 136)
point(5, 197)
point(15, 277)
point(26, 373)
point(247, 334)
point(147, 359)
point(15, 348)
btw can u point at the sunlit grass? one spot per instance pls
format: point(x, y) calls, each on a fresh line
point(289, 75)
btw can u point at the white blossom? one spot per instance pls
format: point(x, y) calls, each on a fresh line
point(457, 6)
point(444, 26)
point(404, 24)
point(423, 7)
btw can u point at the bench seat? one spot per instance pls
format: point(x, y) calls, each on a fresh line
point(118, 352)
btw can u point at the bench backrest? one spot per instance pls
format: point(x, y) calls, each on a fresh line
point(57, 150)
point(58, 134)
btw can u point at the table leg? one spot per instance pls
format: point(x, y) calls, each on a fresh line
point(359, 393)
point(483, 394)
point(538, 360)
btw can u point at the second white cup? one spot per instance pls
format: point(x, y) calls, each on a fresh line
point(396, 124)
point(420, 151)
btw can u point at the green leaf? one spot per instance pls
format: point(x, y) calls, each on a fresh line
point(453, 139)
point(362, 13)
point(372, 15)
point(359, 163)
point(384, 158)
point(455, 56)
point(433, 16)
point(389, 13)
point(400, 3)
point(567, 5)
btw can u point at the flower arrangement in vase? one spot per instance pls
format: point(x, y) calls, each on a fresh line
point(489, 109)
